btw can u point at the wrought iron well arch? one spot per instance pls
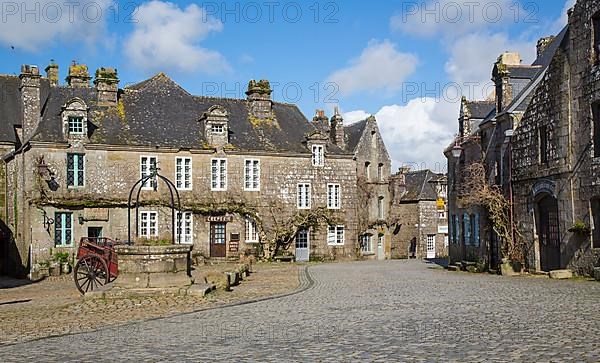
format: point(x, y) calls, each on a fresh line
point(141, 182)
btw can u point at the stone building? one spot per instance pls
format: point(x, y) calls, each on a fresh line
point(243, 168)
point(419, 214)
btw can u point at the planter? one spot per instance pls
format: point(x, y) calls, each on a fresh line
point(65, 267)
point(510, 268)
point(55, 269)
point(153, 267)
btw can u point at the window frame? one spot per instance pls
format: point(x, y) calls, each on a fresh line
point(80, 183)
point(80, 119)
point(380, 208)
point(141, 231)
point(467, 229)
point(307, 194)
point(184, 236)
point(255, 174)
point(63, 229)
point(149, 183)
point(183, 159)
point(221, 180)
point(380, 172)
point(318, 157)
point(215, 126)
point(251, 231)
point(334, 196)
point(333, 237)
point(366, 240)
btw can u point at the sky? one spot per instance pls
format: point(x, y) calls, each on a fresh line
point(405, 62)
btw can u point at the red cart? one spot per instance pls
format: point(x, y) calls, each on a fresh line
point(96, 263)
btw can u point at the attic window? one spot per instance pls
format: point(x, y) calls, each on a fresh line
point(217, 129)
point(318, 155)
point(75, 125)
point(596, 36)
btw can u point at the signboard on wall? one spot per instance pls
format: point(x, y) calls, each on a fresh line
point(234, 246)
point(219, 219)
point(95, 214)
point(443, 229)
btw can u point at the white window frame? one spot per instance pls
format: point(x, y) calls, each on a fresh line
point(218, 183)
point(82, 119)
point(303, 196)
point(334, 196)
point(251, 231)
point(252, 175)
point(214, 128)
point(380, 208)
point(336, 235)
point(187, 231)
point(63, 230)
point(367, 241)
point(182, 177)
point(318, 155)
point(148, 185)
point(145, 232)
point(76, 182)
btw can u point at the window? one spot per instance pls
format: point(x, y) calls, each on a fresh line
point(368, 170)
point(543, 149)
point(380, 208)
point(219, 174)
point(75, 125)
point(442, 214)
point(63, 229)
point(147, 164)
point(455, 230)
point(185, 228)
point(252, 175)
point(333, 196)
point(380, 172)
point(183, 173)
point(148, 224)
point(251, 231)
point(596, 116)
point(75, 170)
point(596, 37)
point(476, 240)
point(216, 129)
point(318, 155)
point(304, 196)
point(335, 235)
point(595, 206)
point(302, 238)
point(430, 242)
point(467, 228)
point(366, 243)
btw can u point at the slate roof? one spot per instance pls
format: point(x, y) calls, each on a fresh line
point(523, 72)
point(419, 186)
point(158, 112)
point(10, 107)
point(353, 134)
point(480, 109)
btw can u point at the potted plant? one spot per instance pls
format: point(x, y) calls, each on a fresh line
point(63, 260)
point(44, 269)
point(580, 228)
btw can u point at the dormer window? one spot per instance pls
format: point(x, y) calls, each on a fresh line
point(216, 121)
point(75, 125)
point(217, 129)
point(318, 155)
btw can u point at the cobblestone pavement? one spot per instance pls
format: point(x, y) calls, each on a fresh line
point(369, 311)
point(55, 307)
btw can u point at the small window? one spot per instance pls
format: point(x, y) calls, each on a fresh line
point(219, 174)
point(334, 199)
point(476, 236)
point(185, 228)
point(318, 155)
point(335, 235)
point(304, 197)
point(442, 214)
point(147, 165)
point(148, 224)
point(252, 175)
point(455, 230)
point(63, 229)
point(217, 129)
point(368, 170)
point(595, 206)
point(251, 231)
point(467, 229)
point(302, 238)
point(543, 149)
point(596, 119)
point(75, 170)
point(380, 208)
point(366, 244)
point(596, 36)
point(380, 172)
point(183, 173)
point(75, 125)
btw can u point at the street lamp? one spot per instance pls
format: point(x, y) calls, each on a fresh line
point(457, 151)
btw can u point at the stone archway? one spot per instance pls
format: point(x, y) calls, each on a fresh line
point(548, 232)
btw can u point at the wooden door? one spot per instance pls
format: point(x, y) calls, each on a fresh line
point(549, 234)
point(217, 239)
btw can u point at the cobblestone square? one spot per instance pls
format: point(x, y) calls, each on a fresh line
point(363, 311)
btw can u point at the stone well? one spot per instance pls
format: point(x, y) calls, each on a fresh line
point(153, 267)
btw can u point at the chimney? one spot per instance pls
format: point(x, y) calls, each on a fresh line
point(78, 75)
point(259, 99)
point(107, 86)
point(52, 73)
point(398, 184)
point(543, 43)
point(30, 99)
point(321, 121)
point(501, 77)
point(337, 129)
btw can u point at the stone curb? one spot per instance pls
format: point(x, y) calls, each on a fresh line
point(306, 282)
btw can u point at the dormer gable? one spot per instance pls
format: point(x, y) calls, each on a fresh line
point(74, 117)
point(216, 126)
point(316, 143)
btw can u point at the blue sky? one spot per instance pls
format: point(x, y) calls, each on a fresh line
point(393, 59)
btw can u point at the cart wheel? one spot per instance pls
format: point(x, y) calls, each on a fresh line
point(90, 272)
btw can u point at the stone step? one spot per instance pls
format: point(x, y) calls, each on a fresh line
point(561, 274)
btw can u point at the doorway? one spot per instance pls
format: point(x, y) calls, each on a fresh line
point(380, 247)
point(302, 246)
point(549, 233)
point(431, 246)
point(217, 239)
point(94, 232)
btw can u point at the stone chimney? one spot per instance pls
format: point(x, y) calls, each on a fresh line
point(259, 99)
point(52, 73)
point(501, 78)
point(30, 99)
point(337, 129)
point(78, 75)
point(543, 43)
point(107, 86)
point(398, 184)
point(321, 121)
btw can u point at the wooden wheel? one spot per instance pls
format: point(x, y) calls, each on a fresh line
point(90, 272)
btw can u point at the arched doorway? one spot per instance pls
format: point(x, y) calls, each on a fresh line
point(548, 232)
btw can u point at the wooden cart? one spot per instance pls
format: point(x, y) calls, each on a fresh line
point(96, 263)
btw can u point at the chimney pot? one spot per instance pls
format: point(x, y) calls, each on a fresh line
point(52, 73)
point(78, 75)
point(259, 99)
point(107, 86)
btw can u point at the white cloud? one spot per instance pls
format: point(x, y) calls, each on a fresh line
point(456, 17)
point(467, 62)
point(380, 67)
point(417, 133)
point(564, 17)
point(33, 25)
point(166, 37)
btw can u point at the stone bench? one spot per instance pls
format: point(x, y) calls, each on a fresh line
point(284, 258)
